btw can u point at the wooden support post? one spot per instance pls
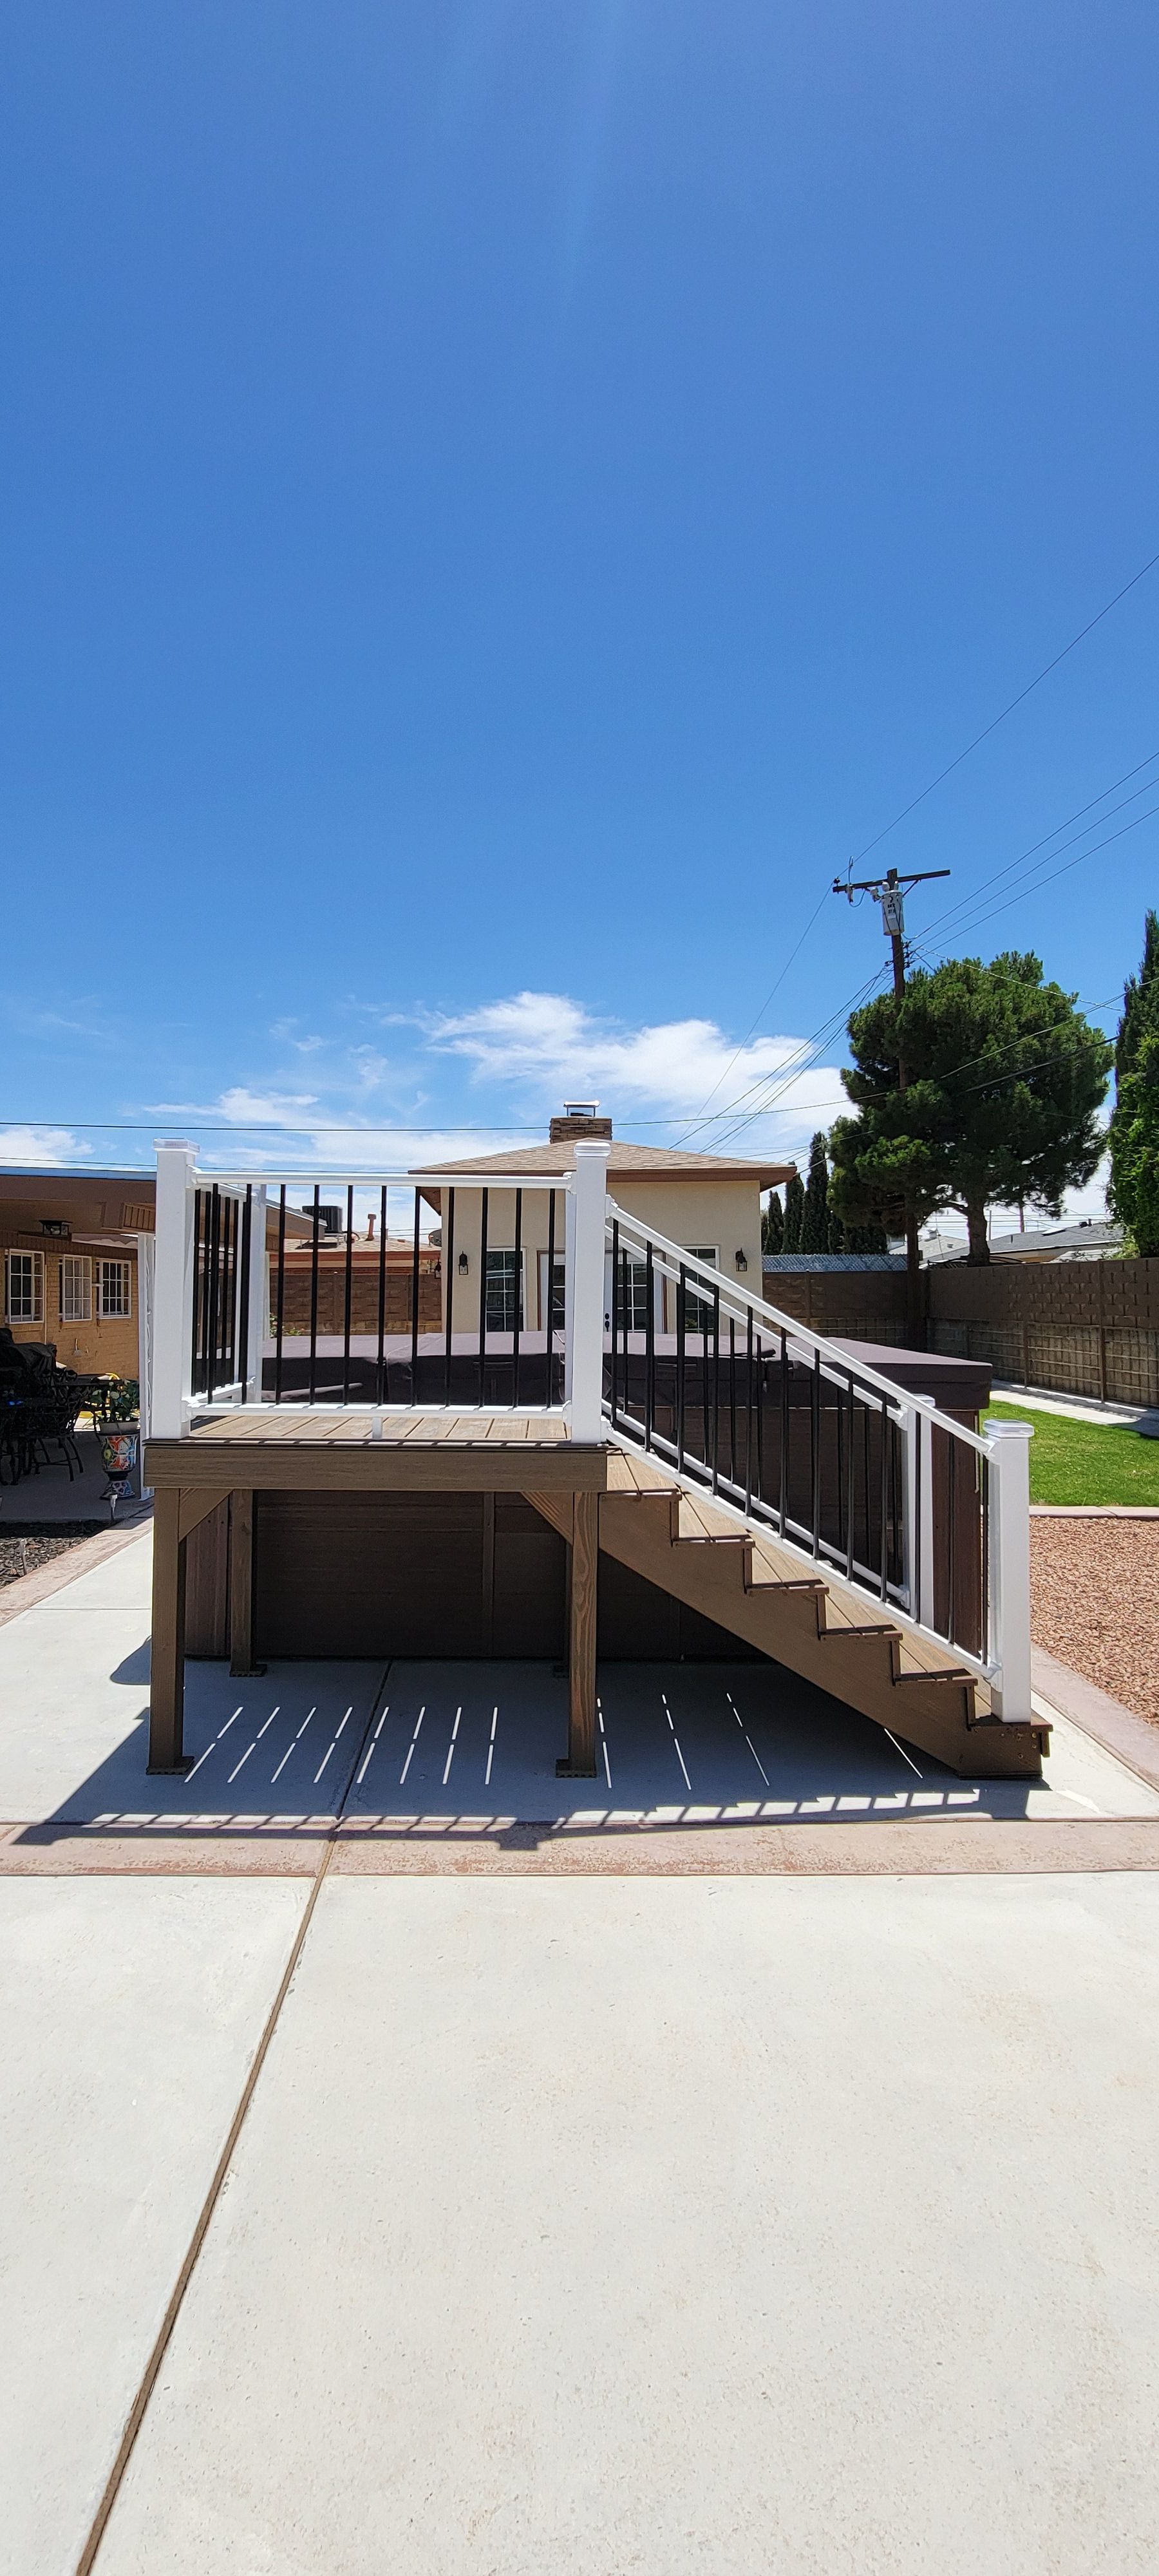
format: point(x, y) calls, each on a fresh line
point(167, 1666)
point(581, 1720)
point(241, 1585)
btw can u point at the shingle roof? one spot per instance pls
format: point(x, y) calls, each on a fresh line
point(659, 1162)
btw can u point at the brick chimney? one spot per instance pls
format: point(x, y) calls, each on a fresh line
point(579, 1120)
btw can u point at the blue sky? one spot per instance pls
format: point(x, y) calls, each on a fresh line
point(502, 502)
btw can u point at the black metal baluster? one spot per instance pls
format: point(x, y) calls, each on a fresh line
point(915, 1571)
point(247, 1222)
point(549, 1338)
point(314, 1296)
point(195, 1337)
point(732, 1400)
point(681, 1351)
point(349, 1281)
point(951, 1532)
point(786, 1427)
point(748, 1424)
point(380, 1376)
point(760, 1420)
point(815, 1451)
point(615, 1386)
point(883, 1579)
point(625, 1328)
point(850, 1484)
point(714, 1460)
point(281, 1296)
point(414, 1309)
point(649, 1347)
point(518, 1295)
point(450, 1280)
point(230, 1318)
point(214, 1290)
point(483, 1290)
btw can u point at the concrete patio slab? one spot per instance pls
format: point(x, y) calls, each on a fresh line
point(52, 1495)
point(680, 2225)
point(696, 1743)
point(132, 2013)
point(74, 1698)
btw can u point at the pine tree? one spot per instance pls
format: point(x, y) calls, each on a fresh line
point(1004, 1084)
point(794, 1213)
point(773, 1224)
point(815, 1221)
point(837, 1235)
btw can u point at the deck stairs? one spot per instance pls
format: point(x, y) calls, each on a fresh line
point(817, 1624)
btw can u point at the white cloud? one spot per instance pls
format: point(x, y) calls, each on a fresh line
point(551, 1046)
point(43, 1148)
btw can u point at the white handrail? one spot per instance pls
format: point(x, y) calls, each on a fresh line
point(372, 1179)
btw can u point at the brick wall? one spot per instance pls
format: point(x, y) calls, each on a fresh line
point(363, 1300)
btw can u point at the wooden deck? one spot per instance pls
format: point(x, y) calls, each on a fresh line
point(297, 1449)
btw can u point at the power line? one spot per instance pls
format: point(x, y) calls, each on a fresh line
point(769, 997)
point(1008, 710)
point(958, 912)
point(1040, 881)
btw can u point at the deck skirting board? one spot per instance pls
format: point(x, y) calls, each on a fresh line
point(221, 1466)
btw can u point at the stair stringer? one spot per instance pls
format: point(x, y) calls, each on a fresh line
point(805, 1624)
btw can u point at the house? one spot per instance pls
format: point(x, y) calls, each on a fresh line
point(497, 1250)
point(73, 1245)
point(1091, 1239)
point(77, 1250)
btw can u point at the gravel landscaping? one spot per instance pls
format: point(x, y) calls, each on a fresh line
point(1095, 1603)
point(20, 1556)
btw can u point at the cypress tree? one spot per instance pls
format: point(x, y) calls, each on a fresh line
point(794, 1213)
point(773, 1224)
point(815, 1221)
point(1134, 1137)
point(1140, 1002)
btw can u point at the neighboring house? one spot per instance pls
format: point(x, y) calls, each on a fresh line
point(1092, 1239)
point(709, 1204)
point(71, 1245)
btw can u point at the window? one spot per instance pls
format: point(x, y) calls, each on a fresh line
point(24, 1287)
point(557, 1292)
point(113, 1288)
point(76, 1288)
point(698, 1311)
point(632, 1296)
point(501, 1292)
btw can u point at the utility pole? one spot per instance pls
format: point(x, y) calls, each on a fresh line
point(890, 892)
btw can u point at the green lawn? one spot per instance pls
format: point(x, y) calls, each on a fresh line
point(1085, 1462)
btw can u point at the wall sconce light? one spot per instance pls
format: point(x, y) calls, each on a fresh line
point(463, 1263)
point(741, 1261)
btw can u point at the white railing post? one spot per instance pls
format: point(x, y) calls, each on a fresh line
point(589, 1193)
point(259, 1297)
point(173, 1293)
point(1010, 1566)
point(919, 1514)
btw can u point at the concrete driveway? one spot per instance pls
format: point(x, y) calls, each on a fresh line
point(681, 2225)
point(485, 2225)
